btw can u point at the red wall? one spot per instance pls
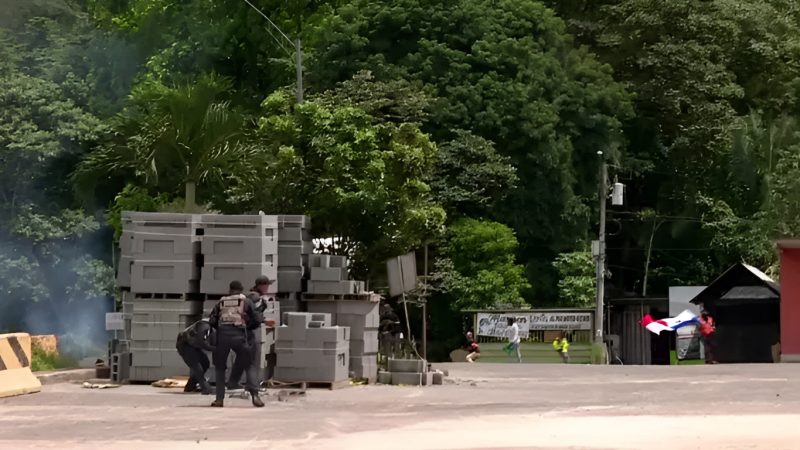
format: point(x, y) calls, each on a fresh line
point(790, 303)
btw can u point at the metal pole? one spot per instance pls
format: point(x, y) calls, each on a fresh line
point(601, 257)
point(425, 308)
point(298, 51)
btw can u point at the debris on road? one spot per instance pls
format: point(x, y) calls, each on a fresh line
point(87, 385)
point(176, 382)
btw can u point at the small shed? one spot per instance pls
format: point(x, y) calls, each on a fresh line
point(745, 304)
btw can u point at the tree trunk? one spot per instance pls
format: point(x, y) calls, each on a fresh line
point(189, 200)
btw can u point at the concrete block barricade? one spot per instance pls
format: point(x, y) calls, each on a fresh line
point(240, 225)
point(16, 377)
point(407, 378)
point(328, 274)
point(406, 365)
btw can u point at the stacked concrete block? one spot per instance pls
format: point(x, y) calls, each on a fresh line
point(155, 326)
point(328, 276)
point(363, 319)
point(294, 248)
point(159, 253)
point(238, 248)
point(409, 372)
point(309, 349)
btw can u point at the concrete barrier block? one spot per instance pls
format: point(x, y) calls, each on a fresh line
point(427, 379)
point(297, 319)
point(293, 235)
point(16, 377)
point(322, 261)
point(363, 346)
point(406, 378)
point(338, 261)
point(438, 378)
point(406, 365)
point(240, 225)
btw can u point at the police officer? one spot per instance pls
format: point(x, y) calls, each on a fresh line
point(259, 295)
point(190, 344)
point(232, 317)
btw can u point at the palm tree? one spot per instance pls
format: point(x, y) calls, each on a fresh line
point(173, 137)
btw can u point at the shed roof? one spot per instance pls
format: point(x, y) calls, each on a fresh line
point(728, 286)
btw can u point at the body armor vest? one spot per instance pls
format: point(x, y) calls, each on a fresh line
point(231, 311)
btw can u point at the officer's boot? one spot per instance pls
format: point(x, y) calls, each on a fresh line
point(217, 404)
point(205, 388)
point(257, 402)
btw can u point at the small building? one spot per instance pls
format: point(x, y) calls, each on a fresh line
point(745, 304)
point(790, 300)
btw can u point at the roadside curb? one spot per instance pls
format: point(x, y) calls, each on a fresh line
point(65, 376)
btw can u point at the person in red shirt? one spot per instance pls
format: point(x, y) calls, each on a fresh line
point(707, 330)
point(472, 348)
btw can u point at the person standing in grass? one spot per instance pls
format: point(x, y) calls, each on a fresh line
point(564, 348)
point(513, 339)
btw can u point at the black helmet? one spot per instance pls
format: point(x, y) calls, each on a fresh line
point(236, 286)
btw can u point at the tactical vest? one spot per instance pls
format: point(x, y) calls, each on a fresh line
point(231, 311)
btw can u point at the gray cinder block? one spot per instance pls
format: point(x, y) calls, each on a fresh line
point(297, 319)
point(332, 287)
point(290, 279)
point(322, 317)
point(363, 347)
point(239, 249)
point(168, 277)
point(293, 235)
point(294, 221)
point(338, 261)
point(328, 274)
point(166, 247)
point(405, 378)
point(216, 277)
point(427, 379)
point(385, 377)
point(146, 358)
point(438, 378)
point(124, 271)
point(406, 365)
point(240, 225)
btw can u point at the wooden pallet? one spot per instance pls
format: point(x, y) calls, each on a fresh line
point(303, 385)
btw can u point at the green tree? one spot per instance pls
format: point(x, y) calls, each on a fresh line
point(576, 284)
point(363, 183)
point(477, 267)
point(506, 71)
point(173, 137)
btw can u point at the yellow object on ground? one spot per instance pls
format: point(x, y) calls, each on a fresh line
point(16, 377)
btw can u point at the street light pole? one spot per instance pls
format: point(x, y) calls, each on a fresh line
point(601, 254)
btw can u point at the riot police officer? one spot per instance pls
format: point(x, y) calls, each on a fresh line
point(190, 345)
point(259, 295)
point(232, 317)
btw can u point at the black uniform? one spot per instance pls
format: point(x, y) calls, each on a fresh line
point(190, 344)
point(232, 317)
point(239, 366)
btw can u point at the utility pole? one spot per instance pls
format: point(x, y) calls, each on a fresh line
point(601, 254)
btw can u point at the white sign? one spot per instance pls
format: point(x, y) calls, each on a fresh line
point(115, 322)
point(566, 321)
point(496, 325)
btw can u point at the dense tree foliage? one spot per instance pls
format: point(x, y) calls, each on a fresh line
point(472, 126)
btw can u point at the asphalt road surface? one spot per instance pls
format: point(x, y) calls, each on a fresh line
point(481, 406)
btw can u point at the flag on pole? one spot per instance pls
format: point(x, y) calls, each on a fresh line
point(670, 323)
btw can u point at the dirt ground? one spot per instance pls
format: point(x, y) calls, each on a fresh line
point(481, 406)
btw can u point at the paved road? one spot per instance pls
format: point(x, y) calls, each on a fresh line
point(483, 406)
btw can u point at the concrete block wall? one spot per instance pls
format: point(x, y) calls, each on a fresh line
point(309, 350)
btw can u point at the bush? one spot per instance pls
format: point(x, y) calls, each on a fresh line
point(42, 360)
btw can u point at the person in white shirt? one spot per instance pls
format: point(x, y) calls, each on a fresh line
point(513, 338)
